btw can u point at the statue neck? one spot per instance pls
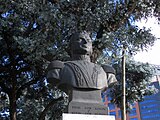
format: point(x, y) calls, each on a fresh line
point(81, 57)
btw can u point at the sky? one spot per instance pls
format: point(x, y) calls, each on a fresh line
point(152, 56)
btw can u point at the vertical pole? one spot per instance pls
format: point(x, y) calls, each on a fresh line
point(123, 85)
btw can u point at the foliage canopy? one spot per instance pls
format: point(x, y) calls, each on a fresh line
point(34, 32)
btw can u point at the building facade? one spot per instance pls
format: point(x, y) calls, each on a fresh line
point(114, 110)
point(149, 109)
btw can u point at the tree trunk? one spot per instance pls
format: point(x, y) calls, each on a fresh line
point(12, 109)
point(8, 37)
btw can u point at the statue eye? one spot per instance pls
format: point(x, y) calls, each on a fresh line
point(82, 39)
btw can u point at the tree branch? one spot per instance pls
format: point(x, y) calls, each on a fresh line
point(3, 69)
point(111, 25)
point(19, 90)
point(43, 113)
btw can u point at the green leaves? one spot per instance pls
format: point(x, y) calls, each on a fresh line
point(138, 83)
point(39, 31)
point(37, 26)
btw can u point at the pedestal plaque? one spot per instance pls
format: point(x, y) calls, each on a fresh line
point(87, 108)
point(67, 116)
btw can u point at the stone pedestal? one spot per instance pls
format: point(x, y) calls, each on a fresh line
point(86, 102)
point(67, 116)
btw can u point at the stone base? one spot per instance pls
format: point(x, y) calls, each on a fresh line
point(67, 116)
point(86, 102)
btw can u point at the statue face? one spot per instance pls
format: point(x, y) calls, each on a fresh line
point(81, 44)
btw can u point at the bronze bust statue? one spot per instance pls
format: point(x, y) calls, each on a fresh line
point(81, 79)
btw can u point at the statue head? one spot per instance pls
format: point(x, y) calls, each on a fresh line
point(81, 44)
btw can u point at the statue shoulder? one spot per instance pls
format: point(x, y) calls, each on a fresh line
point(56, 64)
point(108, 68)
point(53, 72)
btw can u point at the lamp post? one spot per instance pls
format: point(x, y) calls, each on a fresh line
point(123, 84)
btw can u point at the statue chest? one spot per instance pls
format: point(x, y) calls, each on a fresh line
point(83, 74)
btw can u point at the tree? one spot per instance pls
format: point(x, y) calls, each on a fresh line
point(48, 105)
point(138, 83)
point(37, 26)
point(34, 32)
point(16, 75)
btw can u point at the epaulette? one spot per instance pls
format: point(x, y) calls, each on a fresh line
point(108, 69)
point(55, 65)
